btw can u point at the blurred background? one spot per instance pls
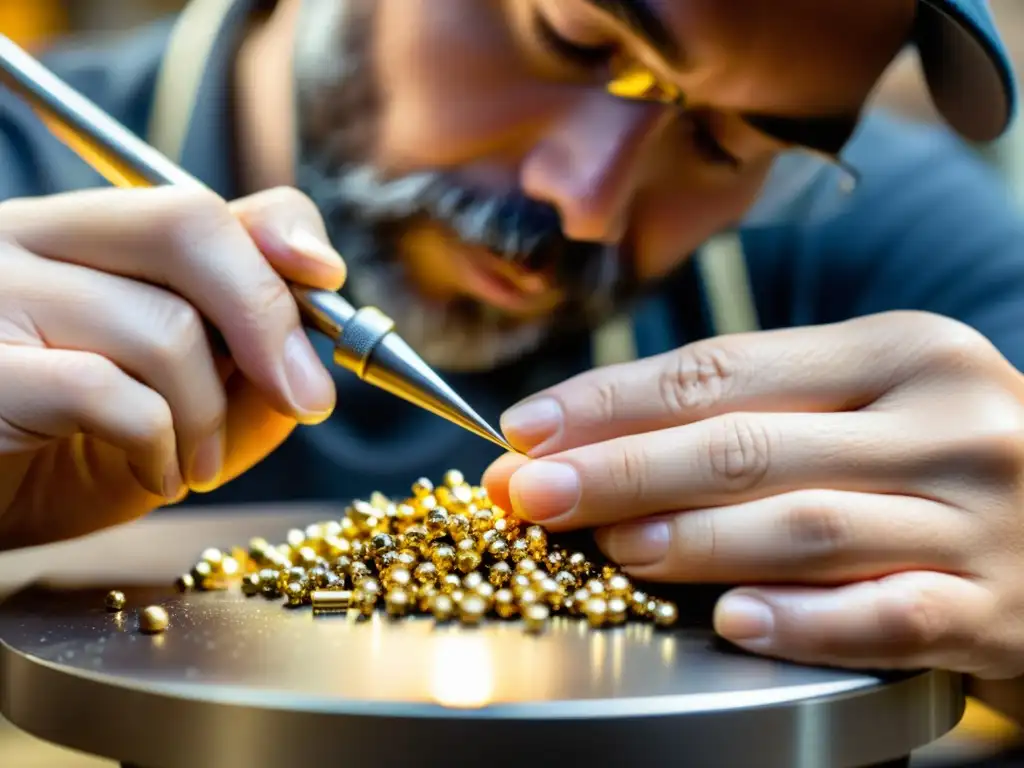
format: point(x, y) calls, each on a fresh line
point(36, 23)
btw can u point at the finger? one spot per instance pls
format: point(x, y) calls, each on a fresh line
point(806, 537)
point(288, 229)
point(725, 460)
point(154, 335)
point(58, 394)
point(917, 620)
point(825, 368)
point(191, 242)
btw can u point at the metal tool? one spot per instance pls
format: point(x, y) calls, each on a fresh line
point(364, 339)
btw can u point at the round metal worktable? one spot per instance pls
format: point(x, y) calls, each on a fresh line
point(247, 682)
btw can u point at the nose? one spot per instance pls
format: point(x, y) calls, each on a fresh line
point(590, 163)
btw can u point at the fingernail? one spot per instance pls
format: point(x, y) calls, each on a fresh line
point(207, 463)
point(312, 388)
point(529, 424)
point(543, 490)
point(315, 248)
point(172, 483)
point(744, 620)
point(637, 543)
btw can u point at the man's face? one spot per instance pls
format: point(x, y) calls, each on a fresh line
point(486, 188)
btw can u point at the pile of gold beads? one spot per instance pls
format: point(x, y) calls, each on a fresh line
point(445, 551)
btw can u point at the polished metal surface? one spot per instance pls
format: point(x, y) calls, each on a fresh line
point(246, 682)
point(127, 161)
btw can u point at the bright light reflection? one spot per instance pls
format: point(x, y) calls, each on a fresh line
point(462, 673)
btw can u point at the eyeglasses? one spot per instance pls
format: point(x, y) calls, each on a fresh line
point(802, 186)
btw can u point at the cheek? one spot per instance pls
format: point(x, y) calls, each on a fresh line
point(671, 225)
point(452, 85)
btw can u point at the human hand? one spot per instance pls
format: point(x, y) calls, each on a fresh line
point(112, 401)
point(861, 483)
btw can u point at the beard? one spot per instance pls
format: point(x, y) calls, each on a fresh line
point(366, 213)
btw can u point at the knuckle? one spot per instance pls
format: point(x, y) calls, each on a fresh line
point(192, 218)
point(182, 334)
point(948, 345)
point(92, 378)
point(817, 528)
point(629, 475)
point(156, 422)
point(270, 301)
point(739, 452)
point(918, 620)
point(698, 377)
point(292, 200)
point(608, 399)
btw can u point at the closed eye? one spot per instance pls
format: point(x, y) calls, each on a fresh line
point(585, 56)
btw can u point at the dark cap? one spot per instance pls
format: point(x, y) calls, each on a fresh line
point(969, 73)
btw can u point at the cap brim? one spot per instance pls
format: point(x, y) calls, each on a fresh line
point(967, 70)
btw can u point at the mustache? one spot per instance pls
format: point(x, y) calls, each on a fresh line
point(519, 229)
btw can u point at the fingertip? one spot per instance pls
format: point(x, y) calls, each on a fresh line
point(497, 476)
point(323, 266)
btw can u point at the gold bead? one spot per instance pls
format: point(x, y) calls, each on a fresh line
point(426, 573)
point(153, 620)
point(527, 597)
point(608, 571)
point(486, 538)
point(333, 581)
point(665, 614)
point(596, 609)
point(258, 547)
point(398, 578)
point(422, 487)
point(397, 602)
point(482, 520)
point(638, 604)
point(359, 548)
point(442, 607)
point(500, 573)
point(252, 585)
point(443, 557)
point(185, 583)
point(325, 601)
point(295, 538)
point(462, 495)
point(468, 560)
point(436, 523)
point(457, 595)
point(578, 565)
point(269, 582)
point(580, 598)
point(358, 571)
point(596, 588)
point(537, 540)
point(453, 478)
point(307, 556)
point(381, 543)
point(520, 583)
point(424, 594)
point(295, 593)
point(505, 603)
point(481, 497)
point(212, 556)
point(555, 561)
point(472, 608)
point(498, 549)
point(414, 537)
point(618, 585)
point(526, 566)
point(407, 559)
point(535, 617)
point(617, 610)
point(520, 550)
point(450, 582)
point(459, 526)
point(317, 576)
point(379, 501)
point(388, 559)
point(536, 577)
point(115, 601)
point(472, 580)
point(550, 592)
point(565, 580)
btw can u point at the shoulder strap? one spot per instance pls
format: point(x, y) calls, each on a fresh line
point(181, 73)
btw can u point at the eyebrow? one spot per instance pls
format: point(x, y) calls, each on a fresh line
point(645, 23)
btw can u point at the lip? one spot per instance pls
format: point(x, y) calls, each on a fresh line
point(493, 280)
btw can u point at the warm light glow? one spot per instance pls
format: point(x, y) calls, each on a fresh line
point(462, 673)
